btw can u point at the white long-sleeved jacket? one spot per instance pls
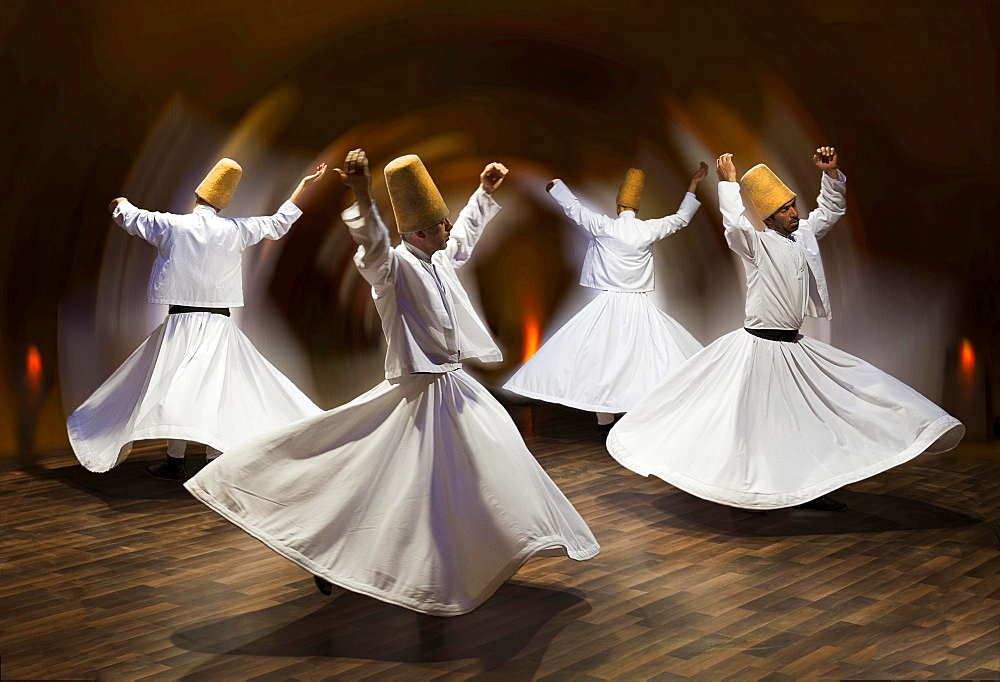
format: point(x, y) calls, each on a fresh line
point(427, 318)
point(620, 253)
point(785, 278)
point(199, 256)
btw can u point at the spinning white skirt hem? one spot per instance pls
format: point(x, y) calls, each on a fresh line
point(608, 356)
point(198, 378)
point(419, 493)
point(761, 424)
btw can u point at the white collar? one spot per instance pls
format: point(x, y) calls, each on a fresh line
point(205, 207)
point(418, 252)
point(790, 239)
point(631, 213)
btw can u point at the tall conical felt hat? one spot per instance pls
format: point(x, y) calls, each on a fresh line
point(631, 190)
point(766, 191)
point(416, 201)
point(218, 186)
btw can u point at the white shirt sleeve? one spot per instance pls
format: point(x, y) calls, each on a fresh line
point(594, 223)
point(469, 226)
point(253, 230)
point(740, 233)
point(375, 256)
point(831, 204)
point(663, 227)
point(149, 225)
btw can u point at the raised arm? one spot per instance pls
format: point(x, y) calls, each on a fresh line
point(662, 227)
point(740, 233)
point(306, 181)
point(138, 222)
point(481, 209)
point(831, 203)
point(253, 230)
point(374, 258)
point(592, 222)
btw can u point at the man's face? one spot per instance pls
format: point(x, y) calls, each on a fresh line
point(436, 238)
point(785, 219)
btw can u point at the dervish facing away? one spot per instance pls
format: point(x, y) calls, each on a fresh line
point(197, 377)
point(620, 345)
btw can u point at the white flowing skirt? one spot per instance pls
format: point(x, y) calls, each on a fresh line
point(763, 424)
point(197, 377)
point(420, 493)
point(608, 356)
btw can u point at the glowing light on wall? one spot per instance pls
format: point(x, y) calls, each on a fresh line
point(33, 369)
point(967, 359)
point(532, 336)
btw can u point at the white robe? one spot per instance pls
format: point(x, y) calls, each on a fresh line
point(620, 345)
point(420, 492)
point(761, 424)
point(197, 377)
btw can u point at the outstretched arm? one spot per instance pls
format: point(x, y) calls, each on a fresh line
point(481, 209)
point(740, 233)
point(831, 203)
point(138, 222)
point(276, 226)
point(592, 222)
point(374, 258)
point(662, 227)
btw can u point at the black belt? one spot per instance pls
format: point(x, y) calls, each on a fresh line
point(178, 309)
point(786, 335)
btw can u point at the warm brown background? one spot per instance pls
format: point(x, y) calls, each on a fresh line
point(111, 98)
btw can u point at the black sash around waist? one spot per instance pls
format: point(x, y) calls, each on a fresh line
point(786, 335)
point(178, 309)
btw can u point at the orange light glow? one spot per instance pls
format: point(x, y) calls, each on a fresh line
point(33, 368)
point(531, 337)
point(967, 359)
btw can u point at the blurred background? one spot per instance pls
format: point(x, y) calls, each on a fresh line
point(139, 99)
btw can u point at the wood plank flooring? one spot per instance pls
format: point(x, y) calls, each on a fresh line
point(119, 576)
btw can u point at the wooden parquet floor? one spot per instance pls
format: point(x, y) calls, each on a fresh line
point(119, 576)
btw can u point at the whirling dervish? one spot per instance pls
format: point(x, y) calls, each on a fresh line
point(620, 345)
point(765, 417)
point(421, 491)
point(197, 377)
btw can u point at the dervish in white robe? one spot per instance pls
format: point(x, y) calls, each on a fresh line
point(760, 423)
point(620, 345)
point(197, 377)
point(421, 491)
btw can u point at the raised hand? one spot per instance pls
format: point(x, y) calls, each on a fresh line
point(825, 159)
point(356, 174)
point(550, 184)
point(320, 171)
point(492, 177)
point(698, 176)
point(725, 169)
point(307, 180)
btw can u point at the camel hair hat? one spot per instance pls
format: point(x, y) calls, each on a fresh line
point(218, 186)
point(630, 192)
point(416, 201)
point(767, 193)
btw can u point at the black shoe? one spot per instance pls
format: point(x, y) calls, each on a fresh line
point(170, 470)
point(822, 504)
point(324, 586)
